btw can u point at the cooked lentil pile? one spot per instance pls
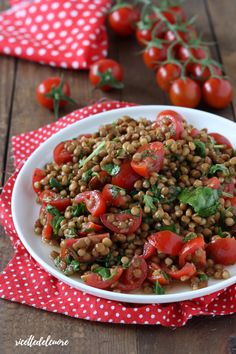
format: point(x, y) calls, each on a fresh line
point(140, 205)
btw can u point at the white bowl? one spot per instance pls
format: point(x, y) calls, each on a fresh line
point(25, 210)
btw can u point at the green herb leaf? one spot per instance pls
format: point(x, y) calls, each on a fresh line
point(168, 227)
point(217, 168)
point(111, 169)
point(189, 237)
point(56, 221)
point(115, 190)
point(87, 175)
point(204, 200)
point(158, 289)
point(202, 277)
point(94, 153)
point(53, 182)
point(75, 265)
point(77, 210)
point(52, 210)
point(148, 201)
point(103, 272)
point(200, 148)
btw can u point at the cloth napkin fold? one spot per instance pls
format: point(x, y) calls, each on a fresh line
point(24, 281)
point(67, 34)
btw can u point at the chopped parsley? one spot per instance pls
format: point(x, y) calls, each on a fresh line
point(87, 175)
point(53, 182)
point(103, 272)
point(218, 168)
point(200, 149)
point(77, 210)
point(94, 153)
point(111, 169)
point(57, 218)
point(158, 289)
point(189, 237)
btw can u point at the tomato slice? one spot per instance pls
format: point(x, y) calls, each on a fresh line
point(98, 182)
point(213, 183)
point(191, 249)
point(186, 272)
point(155, 273)
point(151, 159)
point(126, 177)
point(90, 227)
point(47, 229)
point(123, 223)
point(175, 120)
point(38, 175)
point(222, 250)
point(113, 195)
point(48, 197)
point(94, 201)
point(95, 280)
point(61, 155)
point(166, 242)
point(194, 132)
point(148, 250)
point(221, 140)
point(134, 276)
point(65, 244)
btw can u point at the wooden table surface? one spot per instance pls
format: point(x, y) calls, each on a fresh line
point(19, 113)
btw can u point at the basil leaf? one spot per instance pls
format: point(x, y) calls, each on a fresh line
point(168, 227)
point(53, 182)
point(103, 272)
point(87, 175)
point(217, 168)
point(148, 201)
point(111, 169)
point(200, 148)
point(56, 221)
point(52, 210)
point(158, 289)
point(204, 200)
point(75, 265)
point(77, 210)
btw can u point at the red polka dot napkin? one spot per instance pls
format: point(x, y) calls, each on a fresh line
point(24, 281)
point(67, 34)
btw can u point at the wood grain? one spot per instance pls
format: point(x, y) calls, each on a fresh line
point(19, 112)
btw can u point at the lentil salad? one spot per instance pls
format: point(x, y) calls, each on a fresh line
point(140, 205)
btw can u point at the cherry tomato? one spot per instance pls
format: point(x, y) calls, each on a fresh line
point(213, 183)
point(134, 276)
point(123, 18)
point(153, 55)
point(99, 181)
point(175, 14)
point(194, 132)
point(47, 229)
point(185, 92)
point(155, 273)
point(51, 86)
point(61, 155)
point(173, 118)
point(166, 242)
point(96, 280)
point(217, 93)
point(145, 31)
point(185, 53)
point(222, 250)
point(94, 201)
point(65, 245)
point(166, 74)
point(183, 274)
point(48, 197)
point(151, 159)
point(126, 177)
point(38, 175)
point(190, 249)
point(201, 73)
point(90, 227)
point(148, 250)
point(114, 195)
point(221, 140)
point(106, 74)
point(116, 222)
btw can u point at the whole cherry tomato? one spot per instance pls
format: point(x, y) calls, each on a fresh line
point(217, 92)
point(202, 73)
point(146, 30)
point(106, 74)
point(185, 53)
point(153, 55)
point(175, 14)
point(123, 18)
point(166, 74)
point(185, 92)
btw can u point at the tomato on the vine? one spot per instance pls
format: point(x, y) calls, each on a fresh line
point(202, 73)
point(217, 92)
point(147, 30)
point(185, 53)
point(175, 14)
point(153, 55)
point(123, 18)
point(106, 74)
point(185, 92)
point(166, 74)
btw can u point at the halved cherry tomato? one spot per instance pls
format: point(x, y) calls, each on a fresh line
point(173, 118)
point(94, 201)
point(155, 273)
point(166, 74)
point(183, 274)
point(189, 250)
point(123, 18)
point(90, 227)
point(132, 222)
point(221, 140)
point(166, 242)
point(113, 195)
point(47, 229)
point(65, 245)
point(95, 280)
point(126, 177)
point(99, 181)
point(222, 250)
point(213, 183)
point(134, 276)
point(153, 55)
point(194, 132)
point(38, 175)
point(61, 155)
point(148, 250)
point(49, 197)
point(151, 159)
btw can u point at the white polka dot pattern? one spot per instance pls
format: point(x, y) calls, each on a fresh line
point(24, 281)
point(67, 34)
